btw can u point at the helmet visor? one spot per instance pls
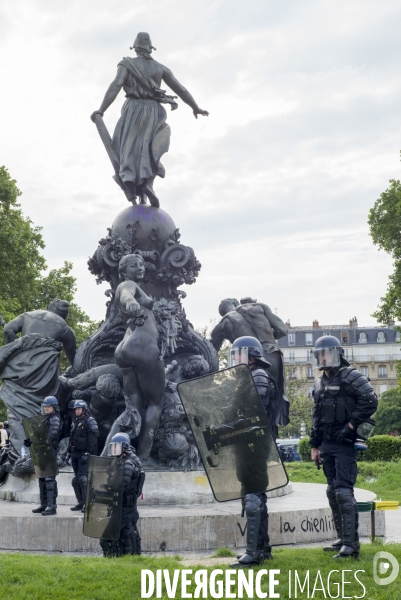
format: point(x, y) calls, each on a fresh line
point(238, 356)
point(116, 448)
point(47, 409)
point(327, 358)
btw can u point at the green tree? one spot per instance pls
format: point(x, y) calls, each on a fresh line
point(385, 227)
point(388, 414)
point(301, 408)
point(23, 286)
point(20, 251)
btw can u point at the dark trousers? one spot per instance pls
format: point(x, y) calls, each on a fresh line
point(129, 541)
point(79, 469)
point(339, 464)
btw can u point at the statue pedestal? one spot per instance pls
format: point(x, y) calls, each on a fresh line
point(162, 488)
point(297, 518)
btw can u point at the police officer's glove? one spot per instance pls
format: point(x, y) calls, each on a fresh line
point(68, 459)
point(27, 443)
point(84, 458)
point(345, 434)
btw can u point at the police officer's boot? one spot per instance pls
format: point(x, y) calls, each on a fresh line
point(78, 494)
point(335, 509)
point(51, 490)
point(252, 555)
point(136, 541)
point(125, 544)
point(349, 522)
point(83, 484)
point(42, 495)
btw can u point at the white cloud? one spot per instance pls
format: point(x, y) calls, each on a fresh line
point(272, 190)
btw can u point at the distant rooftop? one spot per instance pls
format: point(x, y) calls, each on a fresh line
point(352, 324)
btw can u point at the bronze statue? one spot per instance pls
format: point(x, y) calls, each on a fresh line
point(141, 136)
point(252, 318)
point(29, 365)
point(138, 355)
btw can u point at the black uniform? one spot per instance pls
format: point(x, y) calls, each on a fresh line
point(345, 396)
point(255, 505)
point(129, 541)
point(48, 485)
point(83, 443)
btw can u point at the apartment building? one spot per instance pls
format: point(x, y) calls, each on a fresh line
point(372, 350)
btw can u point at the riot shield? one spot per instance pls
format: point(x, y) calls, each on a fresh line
point(232, 433)
point(104, 498)
point(42, 453)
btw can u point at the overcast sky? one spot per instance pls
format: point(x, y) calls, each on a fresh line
point(272, 190)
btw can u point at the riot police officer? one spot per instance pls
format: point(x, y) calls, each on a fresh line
point(344, 400)
point(248, 350)
point(129, 541)
point(83, 443)
point(48, 485)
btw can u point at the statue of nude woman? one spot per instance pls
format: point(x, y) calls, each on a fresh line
point(138, 354)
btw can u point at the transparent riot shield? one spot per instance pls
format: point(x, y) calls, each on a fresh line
point(104, 498)
point(232, 433)
point(42, 453)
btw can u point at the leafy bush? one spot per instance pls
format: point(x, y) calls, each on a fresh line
point(304, 449)
point(382, 448)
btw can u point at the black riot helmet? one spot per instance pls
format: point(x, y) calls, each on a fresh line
point(50, 401)
point(245, 347)
point(329, 353)
point(119, 442)
point(81, 404)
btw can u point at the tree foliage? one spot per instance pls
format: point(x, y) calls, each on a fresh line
point(24, 286)
point(301, 408)
point(388, 414)
point(20, 251)
point(385, 228)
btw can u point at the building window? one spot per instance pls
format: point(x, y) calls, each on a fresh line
point(308, 339)
point(310, 373)
point(344, 337)
point(364, 371)
point(291, 356)
point(382, 388)
point(381, 338)
point(293, 373)
point(310, 391)
point(348, 353)
point(363, 338)
point(291, 339)
point(309, 356)
point(397, 336)
point(382, 371)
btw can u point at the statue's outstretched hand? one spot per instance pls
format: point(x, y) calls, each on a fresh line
point(199, 111)
point(97, 112)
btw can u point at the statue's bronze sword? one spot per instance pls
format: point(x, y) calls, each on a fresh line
point(106, 139)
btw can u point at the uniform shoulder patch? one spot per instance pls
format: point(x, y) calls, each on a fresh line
point(93, 425)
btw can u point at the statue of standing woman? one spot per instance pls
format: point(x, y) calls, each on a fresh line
point(142, 136)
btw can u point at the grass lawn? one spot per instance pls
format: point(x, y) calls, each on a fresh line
point(382, 478)
point(41, 577)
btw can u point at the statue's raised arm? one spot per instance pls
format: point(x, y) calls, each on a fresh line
point(141, 136)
